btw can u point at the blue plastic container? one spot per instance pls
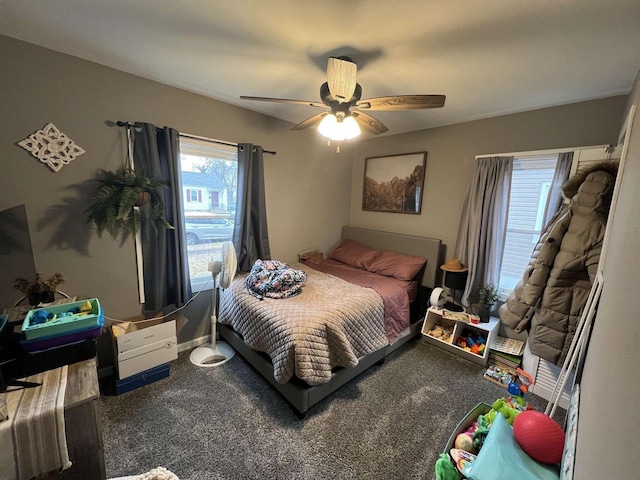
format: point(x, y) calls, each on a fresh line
point(61, 325)
point(143, 378)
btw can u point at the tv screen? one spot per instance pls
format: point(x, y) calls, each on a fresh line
point(16, 257)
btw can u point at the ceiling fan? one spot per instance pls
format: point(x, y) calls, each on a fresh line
point(341, 96)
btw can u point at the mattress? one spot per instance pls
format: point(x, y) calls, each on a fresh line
point(332, 323)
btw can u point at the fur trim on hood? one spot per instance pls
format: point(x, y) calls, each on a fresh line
point(570, 187)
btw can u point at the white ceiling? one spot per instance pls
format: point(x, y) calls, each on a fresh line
point(489, 57)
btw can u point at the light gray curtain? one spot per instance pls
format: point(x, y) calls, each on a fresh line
point(250, 236)
point(164, 253)
point(483, 224)
point(561, 175)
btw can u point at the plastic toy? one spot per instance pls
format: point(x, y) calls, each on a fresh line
point(474, 343)
point(43, 316)
point(539, 436)
point(39, 317)
point(509, 407)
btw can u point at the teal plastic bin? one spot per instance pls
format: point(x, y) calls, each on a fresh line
point(62, 324)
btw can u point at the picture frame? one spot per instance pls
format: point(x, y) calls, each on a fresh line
point(394, 183)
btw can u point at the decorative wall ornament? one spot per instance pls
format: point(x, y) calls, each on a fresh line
point(52, 147)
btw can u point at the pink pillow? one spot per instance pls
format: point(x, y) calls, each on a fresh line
point(396, 265)
point(353, 253)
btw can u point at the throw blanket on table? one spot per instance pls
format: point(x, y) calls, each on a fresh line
point(331, 323)
point(34, 439)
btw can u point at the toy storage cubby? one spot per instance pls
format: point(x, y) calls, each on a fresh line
point(488, 330)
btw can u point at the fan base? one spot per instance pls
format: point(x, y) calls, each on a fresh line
point(212, 355)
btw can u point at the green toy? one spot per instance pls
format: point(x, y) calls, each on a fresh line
point(445, 470)
point(481, 432)
point(509, 407)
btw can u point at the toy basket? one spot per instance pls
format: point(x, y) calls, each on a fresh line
point(480, 409)
point(57, 324)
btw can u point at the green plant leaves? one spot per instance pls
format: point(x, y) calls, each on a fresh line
point(112, 207)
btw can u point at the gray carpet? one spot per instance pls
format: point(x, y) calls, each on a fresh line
point(227, 422)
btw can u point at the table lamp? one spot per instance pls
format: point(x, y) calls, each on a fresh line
point(455, 278)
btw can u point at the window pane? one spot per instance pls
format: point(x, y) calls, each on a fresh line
point(530, 184)
point(209, 182)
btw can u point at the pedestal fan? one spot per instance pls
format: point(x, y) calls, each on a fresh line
point(223, 271)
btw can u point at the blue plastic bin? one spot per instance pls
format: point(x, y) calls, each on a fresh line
point(62, 325)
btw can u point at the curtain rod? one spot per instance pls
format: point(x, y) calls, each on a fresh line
point(194, 137)
point(220, 142)
point(532, 153)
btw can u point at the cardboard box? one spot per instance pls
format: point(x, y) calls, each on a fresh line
point(141, 343)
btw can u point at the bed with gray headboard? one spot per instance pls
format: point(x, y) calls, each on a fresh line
point(300, 394)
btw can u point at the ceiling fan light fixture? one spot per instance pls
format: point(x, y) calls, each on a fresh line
point(339, 129)
point(350, 127)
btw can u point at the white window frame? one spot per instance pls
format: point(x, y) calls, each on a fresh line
point(207, 149)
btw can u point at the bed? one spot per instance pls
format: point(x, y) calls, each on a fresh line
point(309, 345)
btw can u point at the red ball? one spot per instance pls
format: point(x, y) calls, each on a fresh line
point(539, 436)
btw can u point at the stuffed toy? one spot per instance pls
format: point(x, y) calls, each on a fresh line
point(445, 470)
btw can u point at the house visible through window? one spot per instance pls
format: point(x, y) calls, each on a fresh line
point(209, 183)
point(530, 183)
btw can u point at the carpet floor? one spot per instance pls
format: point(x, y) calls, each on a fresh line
point(227, 422)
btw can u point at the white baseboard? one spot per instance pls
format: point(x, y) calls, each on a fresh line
point(196, 342)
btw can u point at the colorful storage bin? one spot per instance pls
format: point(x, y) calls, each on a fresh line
point(63, 319)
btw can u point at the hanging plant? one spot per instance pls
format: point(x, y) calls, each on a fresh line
point(112, 207)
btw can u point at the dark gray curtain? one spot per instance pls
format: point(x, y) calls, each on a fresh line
point(250, 236)
point(166, 272)
point(483, 224)
point(561, 175)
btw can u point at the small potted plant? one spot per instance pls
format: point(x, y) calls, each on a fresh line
point(487, 296)
point(39, 291)
point(112, 207)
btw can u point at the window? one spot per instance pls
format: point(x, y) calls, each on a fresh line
point(209, 183)
point(530, 183)
point(193, 196)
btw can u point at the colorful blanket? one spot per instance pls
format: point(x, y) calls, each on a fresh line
point(274, 279)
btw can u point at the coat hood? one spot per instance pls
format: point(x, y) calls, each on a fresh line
point(571, 186)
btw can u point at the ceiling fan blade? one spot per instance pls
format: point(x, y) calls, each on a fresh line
point(341, 77)
point(308, 103)
point(402, 102)
point(369, 124)
point(309, 122)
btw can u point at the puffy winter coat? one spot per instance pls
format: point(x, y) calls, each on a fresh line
point(549, 299)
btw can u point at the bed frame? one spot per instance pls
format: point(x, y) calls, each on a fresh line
point(297, 392)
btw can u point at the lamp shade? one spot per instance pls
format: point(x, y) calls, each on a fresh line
point(339, 129)
point(350, 128)
point(455, 280)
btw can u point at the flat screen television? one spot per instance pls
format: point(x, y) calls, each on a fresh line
point(16, 256)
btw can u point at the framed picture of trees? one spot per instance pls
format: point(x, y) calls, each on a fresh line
point(394, 183)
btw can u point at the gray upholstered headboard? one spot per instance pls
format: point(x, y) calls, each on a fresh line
point(407, 244)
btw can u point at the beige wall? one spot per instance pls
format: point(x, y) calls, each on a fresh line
point(451, 151)
point(609, 419)
point(308, 187)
